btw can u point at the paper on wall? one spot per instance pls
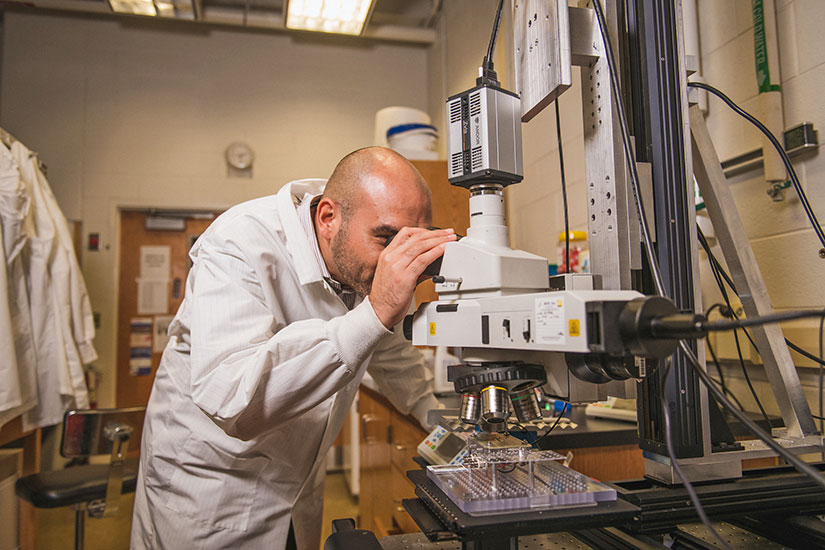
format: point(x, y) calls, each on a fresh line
point(153, 282)
point(155, 262)
point(140, 346)
point(153, 296)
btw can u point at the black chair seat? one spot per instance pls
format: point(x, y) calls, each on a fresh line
point(72, 485)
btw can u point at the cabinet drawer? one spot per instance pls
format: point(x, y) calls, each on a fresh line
point(402, 456)
point(402, 488)
point(406, 437)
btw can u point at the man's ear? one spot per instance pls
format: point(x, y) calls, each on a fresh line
point(327, 217)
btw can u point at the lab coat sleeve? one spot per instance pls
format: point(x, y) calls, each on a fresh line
point(249, 370)
point(398, 370)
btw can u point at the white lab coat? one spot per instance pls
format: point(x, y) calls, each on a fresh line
point(61, 316)
point(18, 389)
point(263, 364)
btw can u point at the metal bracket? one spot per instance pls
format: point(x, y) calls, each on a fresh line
point(119, 435)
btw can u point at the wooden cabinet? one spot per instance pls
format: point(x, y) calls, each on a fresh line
point(374, 500)
point(406, 435)
point(388, 445)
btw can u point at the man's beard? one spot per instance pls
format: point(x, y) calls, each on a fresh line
point(348, 268)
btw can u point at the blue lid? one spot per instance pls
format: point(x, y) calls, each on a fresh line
point(407, 127)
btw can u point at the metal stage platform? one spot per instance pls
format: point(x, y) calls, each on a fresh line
point(767, 509)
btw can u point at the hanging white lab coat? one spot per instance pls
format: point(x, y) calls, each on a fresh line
point(58, 299)
point(18, 389)
point(263, 364)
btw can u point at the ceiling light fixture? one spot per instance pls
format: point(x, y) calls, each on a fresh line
point(133, 7)
point(170, 9)
point(332, 16)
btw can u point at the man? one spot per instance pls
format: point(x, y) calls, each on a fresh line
point(289, 300)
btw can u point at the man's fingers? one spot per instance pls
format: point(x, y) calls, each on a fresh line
point(420, 243)
point(423, 260)
point(404, 235)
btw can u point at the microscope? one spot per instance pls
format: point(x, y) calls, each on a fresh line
point(516, 328)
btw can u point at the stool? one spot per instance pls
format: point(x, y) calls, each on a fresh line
point(95, 488)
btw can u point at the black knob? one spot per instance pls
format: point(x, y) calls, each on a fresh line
point(408, 326)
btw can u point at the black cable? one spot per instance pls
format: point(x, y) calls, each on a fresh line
point(718, 326)
point(563, 194)
point(715, 262)
point(710, 349)
point(694, 497)
point(714, 268)
point(821, 334)
point(488, 59)
point(553, 427)
point(752, 427)
point(719, 369)
point(717, 365)
point(779, 149)
point(807, 354)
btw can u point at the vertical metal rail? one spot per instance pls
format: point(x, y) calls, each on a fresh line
point(659, 120)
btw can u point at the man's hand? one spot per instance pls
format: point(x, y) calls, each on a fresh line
point(399, 268)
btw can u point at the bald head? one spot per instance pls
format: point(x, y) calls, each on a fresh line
point(372, 194)
point(374, 170)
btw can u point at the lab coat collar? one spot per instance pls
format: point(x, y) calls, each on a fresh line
point(297, 242)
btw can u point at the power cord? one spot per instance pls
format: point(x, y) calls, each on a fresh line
point(488, 73)
point(821, 372)
point(553, 427)
point(722, 310)
point(722, 383)
point(795, 461)
point(563, 193)
point(714, 269)
point(714, 262)
point(719, 326)
point(779, 149)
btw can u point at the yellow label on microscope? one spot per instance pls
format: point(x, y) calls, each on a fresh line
point(432, 329)
point(573, 327)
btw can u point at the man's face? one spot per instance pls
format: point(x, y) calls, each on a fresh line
point(363, 234)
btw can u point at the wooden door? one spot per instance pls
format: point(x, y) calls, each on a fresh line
point(133, 389)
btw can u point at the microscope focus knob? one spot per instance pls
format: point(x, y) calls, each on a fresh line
point(408, 327)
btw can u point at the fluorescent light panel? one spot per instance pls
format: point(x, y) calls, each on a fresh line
point(333, 16)
point(135, 7)
point(172, 9)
